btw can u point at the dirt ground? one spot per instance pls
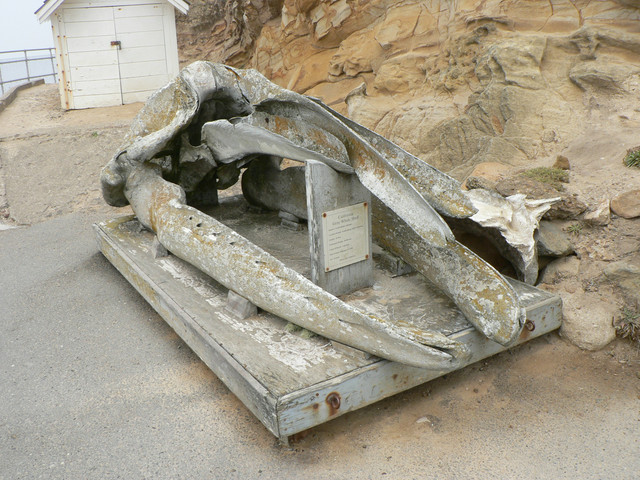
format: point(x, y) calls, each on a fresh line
point(545, 407)
point(50, 160)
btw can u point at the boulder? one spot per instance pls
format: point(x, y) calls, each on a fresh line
point(588, 320)
point(569, 207)
point(561, 269)
point(552, 240)
point(486, 175)
point(625, 275)
point(627, 205)
point(600, 215)
point(562, 163)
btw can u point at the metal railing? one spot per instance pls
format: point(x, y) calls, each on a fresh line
point(20, 66)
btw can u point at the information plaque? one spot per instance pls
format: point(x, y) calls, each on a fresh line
point(345, 236)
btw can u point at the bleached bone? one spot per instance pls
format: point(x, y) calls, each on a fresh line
point(238, 115)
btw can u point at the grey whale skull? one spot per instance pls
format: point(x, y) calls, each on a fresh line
point(195, 136)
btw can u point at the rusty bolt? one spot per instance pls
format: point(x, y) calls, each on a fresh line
point(324, 214)
point(365, 204)
point(333, 400)
point(529, 325)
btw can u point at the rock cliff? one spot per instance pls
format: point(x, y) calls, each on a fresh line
point(457, 83)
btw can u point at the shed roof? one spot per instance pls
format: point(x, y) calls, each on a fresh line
point(50, 6)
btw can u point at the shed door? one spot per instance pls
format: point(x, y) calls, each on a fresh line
point(115, 55)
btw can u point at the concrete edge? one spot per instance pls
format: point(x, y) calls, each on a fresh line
point(11, 95)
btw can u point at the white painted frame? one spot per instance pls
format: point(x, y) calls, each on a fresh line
point(47, 9)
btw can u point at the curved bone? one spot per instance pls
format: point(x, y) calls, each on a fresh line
point(486, 298)
point(439, 189)
point(476, 288)
point(229, 142)
point(482, 294)
point(256, 275)
point(213, 93)
point(248, 88)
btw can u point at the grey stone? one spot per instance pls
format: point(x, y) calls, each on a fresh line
point(288, 216)
point(601, 215)
point(389, 262)
point(627, 205)
point(569, 207)
point(552, 240)
point(290, 221)
point(588, 324)
point(290, 225)
point(626, 276)
point(561, 269)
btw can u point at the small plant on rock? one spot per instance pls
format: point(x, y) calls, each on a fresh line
point(575, 229)
point(628, 324)
point(632, 158)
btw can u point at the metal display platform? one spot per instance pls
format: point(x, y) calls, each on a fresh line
point(291, 380)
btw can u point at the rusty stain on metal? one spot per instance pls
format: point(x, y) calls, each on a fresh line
point(333, 400)
point(314, 407)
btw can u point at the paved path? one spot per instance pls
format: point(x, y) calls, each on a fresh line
point(94, 385)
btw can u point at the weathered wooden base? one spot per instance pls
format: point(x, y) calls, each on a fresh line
point(289, 381)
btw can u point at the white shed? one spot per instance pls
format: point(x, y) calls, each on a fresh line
point(112, 52)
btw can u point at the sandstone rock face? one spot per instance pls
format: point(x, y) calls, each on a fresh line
point(456, 83)
point(223, 32)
